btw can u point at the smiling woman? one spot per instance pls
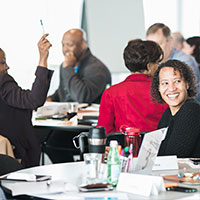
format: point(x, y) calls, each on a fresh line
point(173, 88)
point(175, 84)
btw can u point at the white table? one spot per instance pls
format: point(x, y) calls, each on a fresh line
point(52, 108)
point(72, 173)
point(46, 127)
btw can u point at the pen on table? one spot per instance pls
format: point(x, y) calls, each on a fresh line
point(128, 163)
point(41, 118)
point(170, 185)
point(83, 107)
point(122, 152)
point(42, 27)
point(119, 148)
point(130, 157)
point(126, 151)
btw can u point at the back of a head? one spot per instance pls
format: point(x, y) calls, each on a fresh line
point(155, 27)
point(138, 53)
point(178, 40)
point(195, 41)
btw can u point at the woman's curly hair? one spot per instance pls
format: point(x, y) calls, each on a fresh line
point(185, 71)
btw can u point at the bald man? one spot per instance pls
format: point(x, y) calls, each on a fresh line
point(83, 77)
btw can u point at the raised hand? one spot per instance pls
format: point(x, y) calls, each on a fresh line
point(43, 46)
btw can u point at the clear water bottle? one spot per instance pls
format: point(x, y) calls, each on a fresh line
point(114, 165)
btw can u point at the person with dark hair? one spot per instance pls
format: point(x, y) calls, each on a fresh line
point(161, 34)
point(128, 102)
point(175, 83)
point(16, 106)
point(192, 47)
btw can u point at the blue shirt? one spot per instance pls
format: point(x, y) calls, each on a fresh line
point(2, 196)
point(180, 55)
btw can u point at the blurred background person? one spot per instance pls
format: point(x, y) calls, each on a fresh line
point(175, 83)
point(83, 77)
point(161, 34)
point(192, 47)
point(16, 106)
point(128, 102)
point(178, 40)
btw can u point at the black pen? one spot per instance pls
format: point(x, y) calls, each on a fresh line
point(181, 189)
point(196, 161)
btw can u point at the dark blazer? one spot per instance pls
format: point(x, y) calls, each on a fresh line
point(16, 106)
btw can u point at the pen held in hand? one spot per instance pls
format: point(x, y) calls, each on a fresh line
point(43, 31)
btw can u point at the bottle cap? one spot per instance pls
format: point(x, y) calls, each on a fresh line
point(113, 143)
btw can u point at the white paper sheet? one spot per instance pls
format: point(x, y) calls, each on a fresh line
point(45, 187)
point(148, 151)
point(165, 163)
point(140, 184)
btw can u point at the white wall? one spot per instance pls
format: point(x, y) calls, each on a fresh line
point(21, 30)
point(110, 25)
point(179, 15)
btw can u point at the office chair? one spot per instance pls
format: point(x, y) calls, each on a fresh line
point(59, 147)
point(115, 136)
point(8, 164)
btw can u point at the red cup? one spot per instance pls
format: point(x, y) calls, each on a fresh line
point(132, 136)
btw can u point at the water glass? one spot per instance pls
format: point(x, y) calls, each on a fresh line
point(92, 167)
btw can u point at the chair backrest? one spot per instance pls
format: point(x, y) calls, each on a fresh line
point(8, 164)
point(116, 136)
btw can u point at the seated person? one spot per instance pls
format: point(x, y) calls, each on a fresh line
point(192, 47)
point(129, 102)
point(2, 195)
point(175, 83)
point(83, 77)
point(178, 40)
point(16, 106)
point(161, 34)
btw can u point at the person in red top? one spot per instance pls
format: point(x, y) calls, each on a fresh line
point(129, 102)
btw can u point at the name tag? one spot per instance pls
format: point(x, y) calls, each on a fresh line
point(144, 185)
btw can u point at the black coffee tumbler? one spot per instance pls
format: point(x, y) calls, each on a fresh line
point(97, 140)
